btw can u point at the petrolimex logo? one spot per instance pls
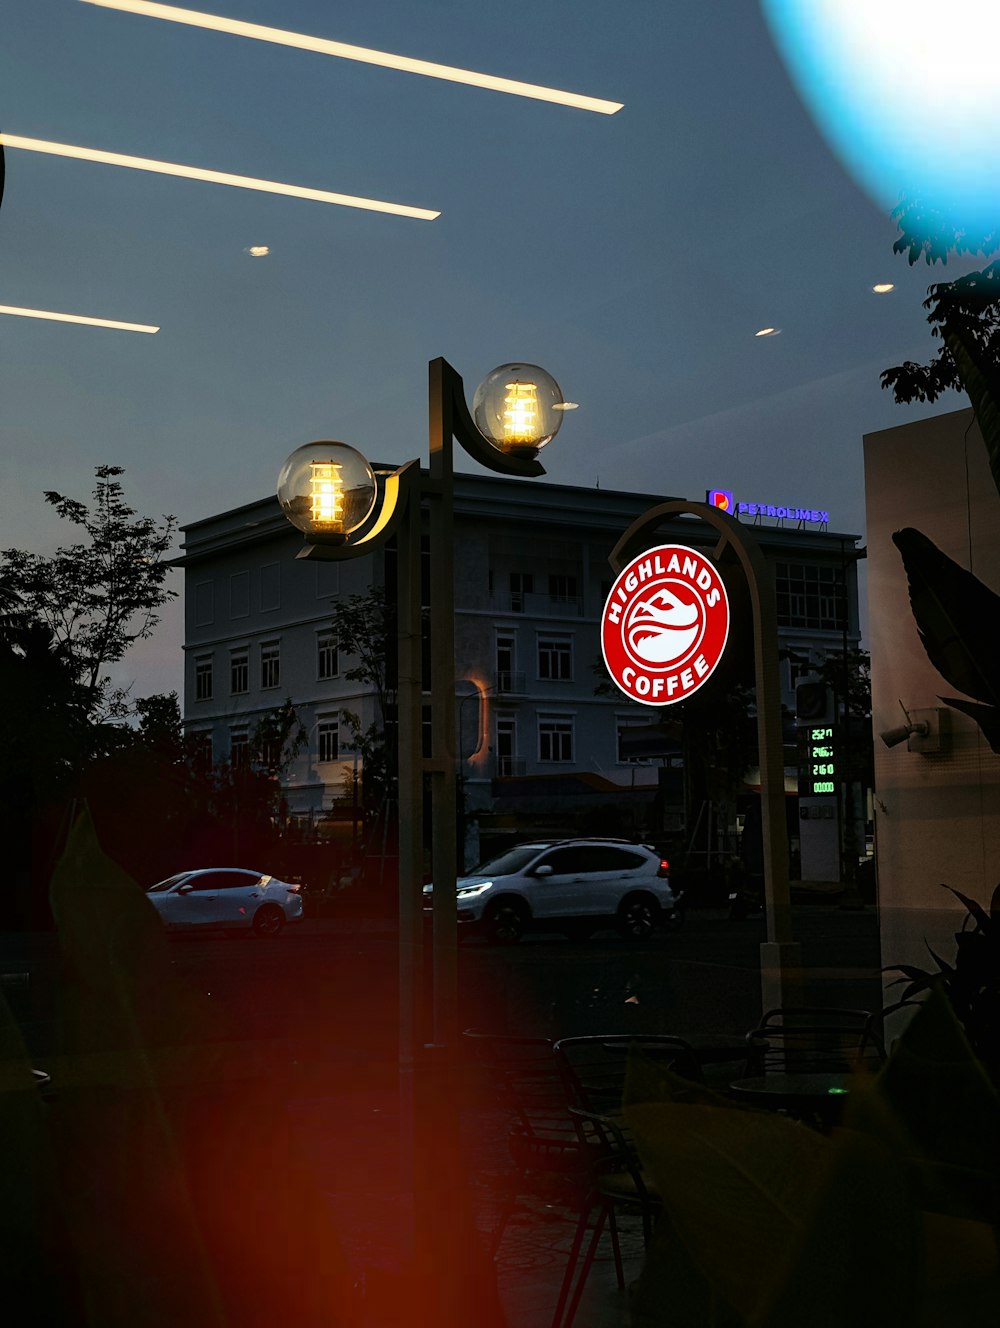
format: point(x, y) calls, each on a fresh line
point(665, 625)
point(722, 499)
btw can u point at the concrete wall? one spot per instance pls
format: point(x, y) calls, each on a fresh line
point(937, 814)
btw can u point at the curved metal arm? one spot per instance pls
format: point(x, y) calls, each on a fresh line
point(447, 388)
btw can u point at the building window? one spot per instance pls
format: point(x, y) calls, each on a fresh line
point(555, 658)
point(809, 595)
point(506, 745)
point(203, 679)
point(507, 678)
point(555, 739)
point(239, 747)
point(630, 752)
point(327, 662)
point(239, 672)
point(522, 584)
point(329, 740)
point(562, 587)
point(270, 664)
point(200, 748)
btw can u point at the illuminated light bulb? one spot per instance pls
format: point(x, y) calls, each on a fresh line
point(326, 494)
point(520, 416)
point(327, 489)
point(518, 408)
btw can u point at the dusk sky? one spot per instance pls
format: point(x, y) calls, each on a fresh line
point(634, 255)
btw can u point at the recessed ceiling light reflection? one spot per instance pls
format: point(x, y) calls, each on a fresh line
point(258, 250)
point(212, 177)
point(566, 405)
point(883, 287)
point(361, 53)
point(76, 318)
point(768, 332)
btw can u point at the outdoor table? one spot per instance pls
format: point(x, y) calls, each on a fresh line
point(819, 1094)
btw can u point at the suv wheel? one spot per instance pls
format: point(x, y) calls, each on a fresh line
point(637, 917)
point(505, 922)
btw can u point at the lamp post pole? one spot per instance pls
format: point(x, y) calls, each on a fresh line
point(517, 413)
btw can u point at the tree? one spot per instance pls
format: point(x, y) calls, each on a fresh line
point(956, 615)
point(99, 596)
point(967, 308)
point(364, 627)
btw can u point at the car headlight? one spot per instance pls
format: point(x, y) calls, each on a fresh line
point(464, 891)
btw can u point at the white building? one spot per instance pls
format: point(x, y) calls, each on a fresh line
point(531, 579)
point(937, 793)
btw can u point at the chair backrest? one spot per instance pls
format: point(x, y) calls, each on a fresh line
point(610, 1150)
point(524, 1077)
point(803, 1039)
point(593, 1068)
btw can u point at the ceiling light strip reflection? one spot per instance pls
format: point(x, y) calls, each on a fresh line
point(76, 318)
point(213, 177)
point(361, 53)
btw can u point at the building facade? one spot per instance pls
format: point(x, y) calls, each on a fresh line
point(534, 725)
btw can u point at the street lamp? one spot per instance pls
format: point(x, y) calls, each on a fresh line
point(330, 492)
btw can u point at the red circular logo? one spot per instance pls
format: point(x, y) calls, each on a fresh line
point(665, 625)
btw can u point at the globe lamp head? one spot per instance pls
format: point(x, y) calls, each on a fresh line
point(327, 489)
point(518, 408)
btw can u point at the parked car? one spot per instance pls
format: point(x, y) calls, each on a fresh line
point(226, 899)
point(572, 885)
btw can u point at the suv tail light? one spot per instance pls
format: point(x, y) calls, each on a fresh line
point(294, 889)
point(664, 868)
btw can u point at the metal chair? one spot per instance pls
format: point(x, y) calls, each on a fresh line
point(542, 1139)
point(593, 1067)
point(618, 1184)
point(813, 1039)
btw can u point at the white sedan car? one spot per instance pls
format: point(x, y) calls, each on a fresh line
point(226, 899)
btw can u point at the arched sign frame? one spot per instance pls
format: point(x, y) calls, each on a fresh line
point(780, 960)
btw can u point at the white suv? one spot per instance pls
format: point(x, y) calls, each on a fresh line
point(570, 885)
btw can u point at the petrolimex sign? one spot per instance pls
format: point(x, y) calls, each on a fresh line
point(723, 499)
point(665, 625)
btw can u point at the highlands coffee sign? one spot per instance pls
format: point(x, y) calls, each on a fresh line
point(665, 625)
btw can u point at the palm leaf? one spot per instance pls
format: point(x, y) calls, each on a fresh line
point(957, 617)
point(982, 382)
point(986, 716)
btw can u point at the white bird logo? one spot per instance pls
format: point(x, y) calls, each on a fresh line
point(662, 627)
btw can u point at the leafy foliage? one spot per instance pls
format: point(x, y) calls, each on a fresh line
point(966, 309)
point(99, 596)
point(364, 627)
point(958, 621)
point(971, 982)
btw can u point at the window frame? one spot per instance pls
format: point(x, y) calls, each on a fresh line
point(204, 668)
point(270, 663)
point(326, 726)
point(239, 655)
point(563, 728)
point(327, 645)
point(557, 647)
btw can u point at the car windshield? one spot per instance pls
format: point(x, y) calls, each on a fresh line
point(511, 861)
point(168, 884)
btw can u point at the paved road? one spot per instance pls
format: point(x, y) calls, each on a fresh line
point(333, 984)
